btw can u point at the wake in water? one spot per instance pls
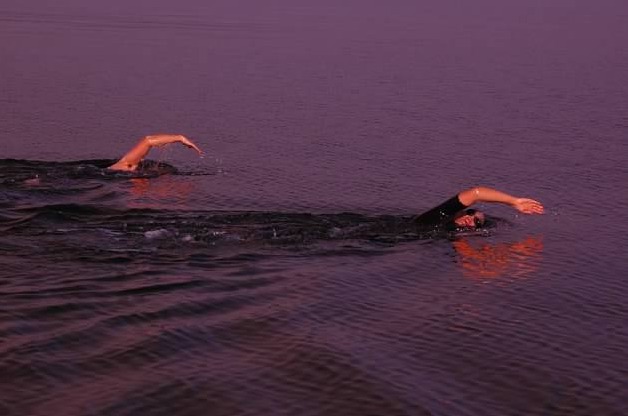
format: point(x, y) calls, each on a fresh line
point(14, 172)
point(54, 202)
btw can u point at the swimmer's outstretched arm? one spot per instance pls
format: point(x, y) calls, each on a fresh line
point(481, 194)
point(131, 160)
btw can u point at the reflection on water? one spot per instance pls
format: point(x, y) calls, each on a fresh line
point(482, 260)
point(156, 193)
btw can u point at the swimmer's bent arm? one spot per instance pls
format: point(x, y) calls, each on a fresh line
point(131, 160)
point(482, 194)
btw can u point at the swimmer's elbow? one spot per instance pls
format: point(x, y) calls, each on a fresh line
point(470, 196)
point(123, 165)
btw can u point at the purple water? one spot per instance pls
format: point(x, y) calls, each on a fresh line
point(174, 295)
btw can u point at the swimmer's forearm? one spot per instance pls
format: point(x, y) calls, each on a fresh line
point(482, 194)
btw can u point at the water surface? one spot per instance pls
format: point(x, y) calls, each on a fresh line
point(233, 286)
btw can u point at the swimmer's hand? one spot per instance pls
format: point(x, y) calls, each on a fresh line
point(528, 206)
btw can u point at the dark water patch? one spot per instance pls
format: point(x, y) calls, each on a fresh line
point(23, 329)
point(62, 310)
point(158, 288)
point(178, 396)
point(153, 348)
point(335, 382)
point(189, 309)
point(251, 281)
point(60, 344)
point(97, 289)
point(41, 374)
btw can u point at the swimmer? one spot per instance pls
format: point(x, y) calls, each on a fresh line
point(455, 211)
point(131, 160)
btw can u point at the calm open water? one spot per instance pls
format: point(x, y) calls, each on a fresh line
point(242, 285)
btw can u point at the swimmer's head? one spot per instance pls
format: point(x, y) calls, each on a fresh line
point(470, 218)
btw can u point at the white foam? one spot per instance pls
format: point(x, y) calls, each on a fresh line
point(154, 234)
